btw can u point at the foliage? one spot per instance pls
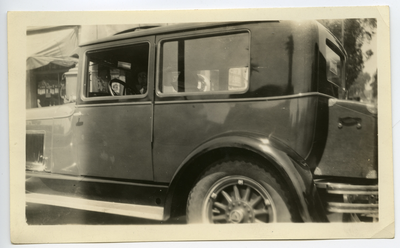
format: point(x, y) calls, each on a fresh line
point(358, 90)
point(374, 85)
point(363, 89)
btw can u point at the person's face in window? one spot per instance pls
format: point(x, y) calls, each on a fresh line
point(142, 79)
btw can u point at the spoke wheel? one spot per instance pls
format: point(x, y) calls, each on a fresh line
point(237, 192)
point(238, 199)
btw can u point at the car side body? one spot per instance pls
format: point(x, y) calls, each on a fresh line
point(141, 155)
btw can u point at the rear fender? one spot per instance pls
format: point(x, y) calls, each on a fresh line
point(290, 165)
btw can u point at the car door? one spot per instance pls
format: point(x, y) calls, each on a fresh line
point(113, 117)
point(201, 74)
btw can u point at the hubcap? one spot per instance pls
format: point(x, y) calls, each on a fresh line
point(238, 199)
point(236, 216)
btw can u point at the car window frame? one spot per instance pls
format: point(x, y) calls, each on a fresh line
point(329, 44)
point(191, 35)
point(106, 46)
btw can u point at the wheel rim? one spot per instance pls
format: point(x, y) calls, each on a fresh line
point(238, 199)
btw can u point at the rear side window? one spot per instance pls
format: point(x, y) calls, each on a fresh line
point(205, 65)
point(333, 84)
point(333, 67)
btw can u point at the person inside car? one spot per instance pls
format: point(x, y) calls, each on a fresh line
point(141, 86)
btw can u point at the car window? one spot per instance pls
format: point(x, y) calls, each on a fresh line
point(120, 71)
point(333, 67)
point(333, 84)
point(205, 65)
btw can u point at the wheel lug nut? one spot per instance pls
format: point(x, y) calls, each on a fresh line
point(213, 195)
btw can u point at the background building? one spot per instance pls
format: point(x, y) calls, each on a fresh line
point(52, 55)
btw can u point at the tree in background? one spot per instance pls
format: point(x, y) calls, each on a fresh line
point(357, 90)
point(374, 86)
point(353, 33)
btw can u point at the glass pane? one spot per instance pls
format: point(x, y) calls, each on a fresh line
point(238, 79)
point(118, 72)
point(211, 64)
point(333, 67)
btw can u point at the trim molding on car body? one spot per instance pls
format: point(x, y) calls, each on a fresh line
point(300, 95)
point(90, 105)
point(50, 118)
point(89, 179)
point(112, 104)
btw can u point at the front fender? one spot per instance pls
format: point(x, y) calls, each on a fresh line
point(291, 166)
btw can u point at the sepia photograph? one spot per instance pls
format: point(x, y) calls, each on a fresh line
point(188, 123)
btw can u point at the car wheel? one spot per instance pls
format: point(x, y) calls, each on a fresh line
point(239, 192)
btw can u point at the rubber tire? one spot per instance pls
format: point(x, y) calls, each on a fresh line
point(280, 196)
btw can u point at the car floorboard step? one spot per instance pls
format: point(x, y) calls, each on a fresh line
point(140, 211)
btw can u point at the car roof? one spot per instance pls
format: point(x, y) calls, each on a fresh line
point(163, 30)
point(139, 32)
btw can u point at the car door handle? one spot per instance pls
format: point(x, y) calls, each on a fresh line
point(349, 121)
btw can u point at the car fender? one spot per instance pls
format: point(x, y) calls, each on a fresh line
point(291, 166)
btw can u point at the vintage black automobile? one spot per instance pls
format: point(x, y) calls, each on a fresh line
point(241, 122)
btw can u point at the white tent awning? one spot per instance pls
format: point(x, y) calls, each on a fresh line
point(51, 45)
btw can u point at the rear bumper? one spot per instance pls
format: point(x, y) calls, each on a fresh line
point(354, 202)
point(338, 207)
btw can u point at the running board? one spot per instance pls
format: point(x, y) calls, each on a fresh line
point(140, 211)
